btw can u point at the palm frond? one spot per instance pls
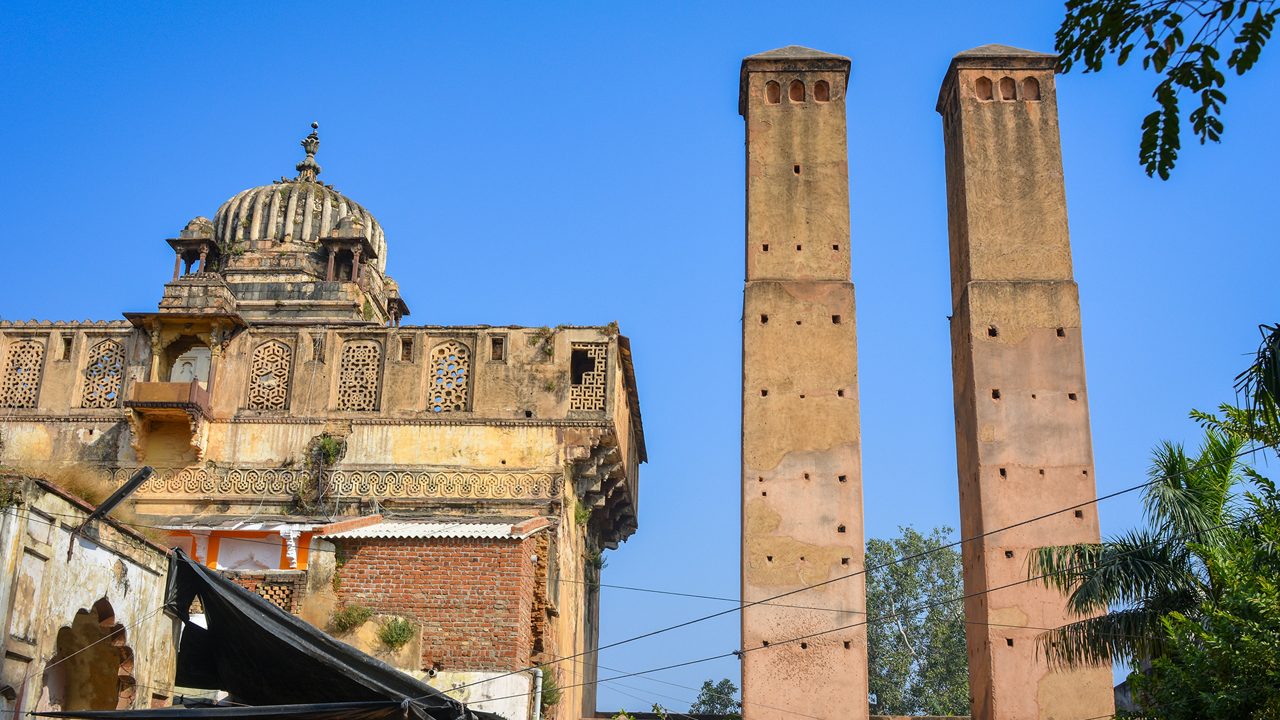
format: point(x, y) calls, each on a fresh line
point(1124, 635)
point(1260, 382)
point(1132, 568)
point(1188, 497)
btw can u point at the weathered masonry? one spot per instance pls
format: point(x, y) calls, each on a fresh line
point(801, 464)
point(278, 395)
point(1022, 421)
point(80, 607)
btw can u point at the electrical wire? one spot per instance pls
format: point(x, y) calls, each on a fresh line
point(739, 653)
point(914, 556)
point(896, 561)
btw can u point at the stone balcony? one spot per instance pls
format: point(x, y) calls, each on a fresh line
point(161, 399)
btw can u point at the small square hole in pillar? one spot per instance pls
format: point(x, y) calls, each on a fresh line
point(798, 322)
point(797, 248)
point(806, 476)
point(1041, 471)
point(764, 318)
point(765, 247)
point(764, 393)
point(1071, 396)
point(764, 494)
point(1084, 472)
point(992, 331)
point(795, 169)
point(844, 561)
point(1008, 553)
point(1033, 396)
point(760, 479)
point(839, 528)
point(995, 394)
point(843, 478)
point(528, 413)
point(764, 643)
point(835, 319)
point(804, 646)
point(1009, 642)
point(1080, 513)
point(801, 558)
point(768, 558)
point(1004, 473)
point(1062, 332)
point(840, 392)
point(801, 396)
point(847, 644)
point(835, 247)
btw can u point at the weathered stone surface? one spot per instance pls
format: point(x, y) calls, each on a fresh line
point(801, 465)
point(1022, 424)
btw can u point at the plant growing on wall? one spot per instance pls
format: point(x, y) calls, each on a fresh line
point(551, 692)
point(348, 618)
point(323, 452)
point(395, 633)
point(10, 494)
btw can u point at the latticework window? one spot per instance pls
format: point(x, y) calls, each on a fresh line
point(103, 374)
point(22, 368)
point(450, 373)
point(358, 376)
point(269, 376)
point(278, 594)
point(587, 373)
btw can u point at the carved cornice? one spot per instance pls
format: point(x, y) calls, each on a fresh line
point(391, 483)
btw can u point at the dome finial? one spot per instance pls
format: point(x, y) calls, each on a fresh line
point(308, 169)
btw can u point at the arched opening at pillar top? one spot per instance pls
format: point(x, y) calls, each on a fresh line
point(772, 92)
point(796, 91)
point(822, 91)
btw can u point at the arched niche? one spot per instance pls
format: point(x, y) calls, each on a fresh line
point(92, 667)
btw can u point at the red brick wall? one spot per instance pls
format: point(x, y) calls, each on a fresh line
point(472, 598)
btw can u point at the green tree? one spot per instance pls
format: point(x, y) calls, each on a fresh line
point(1124, 587)
point(1181, 40)
point(1221, 661)
point(917, 657)
point(718, 698)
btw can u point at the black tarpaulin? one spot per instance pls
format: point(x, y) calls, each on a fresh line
point(380, 710)
point(277, 664)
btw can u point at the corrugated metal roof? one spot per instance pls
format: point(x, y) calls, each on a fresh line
point(422, 529)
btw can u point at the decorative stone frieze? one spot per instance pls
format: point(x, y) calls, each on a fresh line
point(381, 483)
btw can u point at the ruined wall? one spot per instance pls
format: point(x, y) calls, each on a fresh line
point(55, 610)
point(802, 483)
point(1022, 424)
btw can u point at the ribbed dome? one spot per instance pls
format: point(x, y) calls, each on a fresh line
point(292, 212)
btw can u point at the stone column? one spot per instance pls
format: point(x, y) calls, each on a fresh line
point(153, 374)
point(204, 255)
point(329, 273)
point(216, 338)
point(1022, 421)
point(801, 458)
point(177, 264)
point(355, 264)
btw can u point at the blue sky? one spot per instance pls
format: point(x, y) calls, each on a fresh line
point(579, 163)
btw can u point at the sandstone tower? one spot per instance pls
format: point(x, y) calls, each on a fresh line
point(1022, 421)
point(801, 462)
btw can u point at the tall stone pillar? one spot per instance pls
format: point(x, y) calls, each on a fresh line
point(1022, 421)
point(801, 462)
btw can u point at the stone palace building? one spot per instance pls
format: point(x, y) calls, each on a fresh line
point(350, 468)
